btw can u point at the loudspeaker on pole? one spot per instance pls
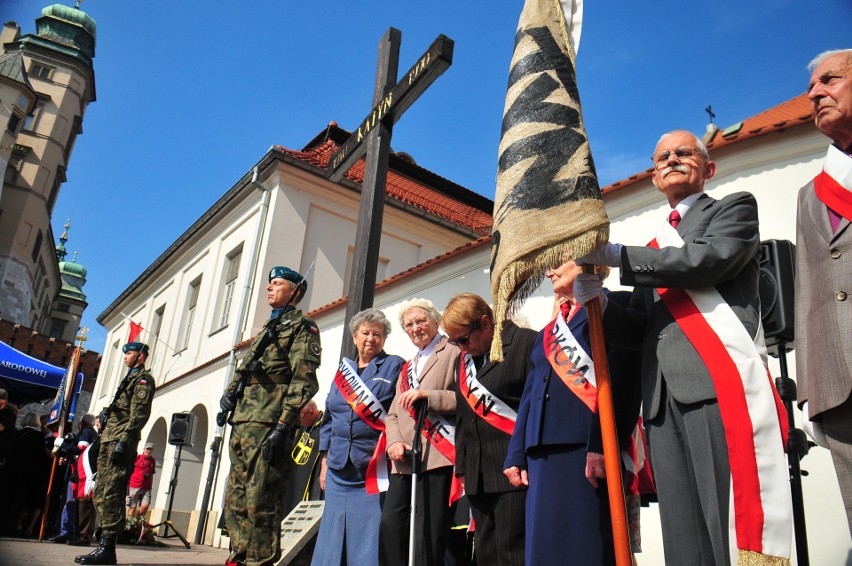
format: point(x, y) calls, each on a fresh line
point(180, 432)
point(777, 274)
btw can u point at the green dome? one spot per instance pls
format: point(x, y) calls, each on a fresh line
point(73, 276)
point(73, 269)
point(74, 15)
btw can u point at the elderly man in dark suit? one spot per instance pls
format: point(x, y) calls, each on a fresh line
point(716, 427)
point(823, 326)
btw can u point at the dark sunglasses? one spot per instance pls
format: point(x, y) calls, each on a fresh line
point(464, 340)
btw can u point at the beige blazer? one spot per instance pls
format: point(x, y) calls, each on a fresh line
point(439, 379)
point(823, 306)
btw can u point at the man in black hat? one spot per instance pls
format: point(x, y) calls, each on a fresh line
point(279, 378)
point(122, 424)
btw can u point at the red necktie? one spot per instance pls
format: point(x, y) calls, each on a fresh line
point(674, 218)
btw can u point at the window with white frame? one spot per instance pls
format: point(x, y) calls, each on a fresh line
point(228, 290)
point(156, 326)
point(31, 121)
point(189, 312)
point(117, 366)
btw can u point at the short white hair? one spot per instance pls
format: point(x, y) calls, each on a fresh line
point(698, 143)
point(817, 61)
point(424, 304)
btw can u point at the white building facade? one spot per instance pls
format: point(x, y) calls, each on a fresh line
point(182, 300)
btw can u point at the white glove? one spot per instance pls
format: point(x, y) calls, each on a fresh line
point(588, 286)
point(608, 254)
point(813, 429)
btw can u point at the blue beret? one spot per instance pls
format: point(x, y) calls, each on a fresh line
point(135, 346)
point(281, 272)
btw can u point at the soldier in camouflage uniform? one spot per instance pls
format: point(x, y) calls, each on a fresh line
point(277, 386)
point(121, 427)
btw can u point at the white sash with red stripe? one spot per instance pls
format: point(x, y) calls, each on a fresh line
point(89, 476)
point(576, 369)
point(570, 361)
point(437, 429)
point(485, 404)
point(833, 186)
point(370, 410)
point(754, 419)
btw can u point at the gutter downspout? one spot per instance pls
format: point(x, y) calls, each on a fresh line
point(216, 445)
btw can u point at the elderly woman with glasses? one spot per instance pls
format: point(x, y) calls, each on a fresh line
point(556, 448)
point(488, 397)
point(362, 390)
point(431, 376)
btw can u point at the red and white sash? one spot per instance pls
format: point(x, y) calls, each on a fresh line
point(753, 416)
point(833, 186)
point(485, 404)
point(88, 476)
point(437, 429)
point(570, 362)
point(638, 477)
point(576, 369)
point(370, 410)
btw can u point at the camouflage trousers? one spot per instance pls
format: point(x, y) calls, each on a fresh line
point(254, 496)
point(111, 486)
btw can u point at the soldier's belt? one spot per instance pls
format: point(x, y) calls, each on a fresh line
point(269, 378)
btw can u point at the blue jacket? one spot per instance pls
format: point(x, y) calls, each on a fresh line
point(344, 436)
point(551, 414)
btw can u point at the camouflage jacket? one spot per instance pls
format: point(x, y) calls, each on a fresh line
point(285, 377)
point(131, 409)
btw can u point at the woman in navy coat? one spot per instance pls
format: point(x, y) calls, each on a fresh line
point(556, 448)
point(349, 532)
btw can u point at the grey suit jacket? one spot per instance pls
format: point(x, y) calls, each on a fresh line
point(721, 248)
point(823, 307)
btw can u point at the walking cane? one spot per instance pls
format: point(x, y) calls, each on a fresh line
point(416, 447)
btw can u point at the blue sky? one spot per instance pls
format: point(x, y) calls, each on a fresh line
point(190, 95)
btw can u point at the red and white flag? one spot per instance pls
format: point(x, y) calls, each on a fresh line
point(135, 331)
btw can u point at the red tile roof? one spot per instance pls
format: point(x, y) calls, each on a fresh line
point(404, 189)
point(793, 112)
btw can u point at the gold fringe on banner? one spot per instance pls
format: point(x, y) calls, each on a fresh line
point(548, 206)
point(752, 558)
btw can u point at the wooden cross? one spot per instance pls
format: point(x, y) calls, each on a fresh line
point(390, 100)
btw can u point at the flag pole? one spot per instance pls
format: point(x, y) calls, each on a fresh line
point(64, 397)
point(612, 459)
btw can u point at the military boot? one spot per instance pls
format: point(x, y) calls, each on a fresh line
point(103, 554)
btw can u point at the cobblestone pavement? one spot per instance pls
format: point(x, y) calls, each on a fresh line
point(23, 552)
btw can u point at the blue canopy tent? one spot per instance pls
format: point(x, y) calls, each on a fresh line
point(29, 380)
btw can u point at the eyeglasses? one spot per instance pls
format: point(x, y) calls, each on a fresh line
point(683, 152)
point(464, 340)
point(411, 325)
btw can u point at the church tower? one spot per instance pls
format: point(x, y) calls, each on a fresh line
point(71, 302)
point(54, 66)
